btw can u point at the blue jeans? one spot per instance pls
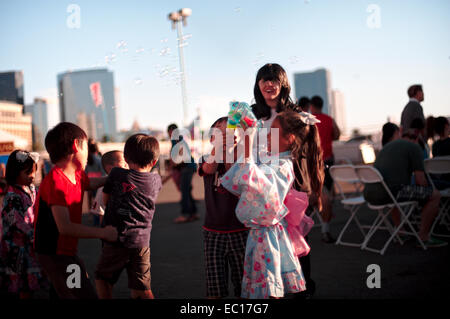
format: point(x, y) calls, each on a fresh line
point(188, 207)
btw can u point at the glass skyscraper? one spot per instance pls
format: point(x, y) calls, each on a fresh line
point(86, 98)
point(38, 111)
point(314, 83)
point(11, 86)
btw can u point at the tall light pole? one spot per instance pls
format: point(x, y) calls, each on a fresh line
point(177, 17)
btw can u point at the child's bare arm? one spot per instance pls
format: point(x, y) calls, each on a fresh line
point(96, 182)
point(66, 227)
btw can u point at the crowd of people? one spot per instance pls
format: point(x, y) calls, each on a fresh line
point(256, 221)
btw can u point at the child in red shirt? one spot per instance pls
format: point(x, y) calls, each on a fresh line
point(58, 213)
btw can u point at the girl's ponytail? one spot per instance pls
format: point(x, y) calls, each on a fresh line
point(315, 162)
point(306, 146)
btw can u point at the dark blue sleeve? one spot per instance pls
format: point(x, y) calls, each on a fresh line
point(113, 175)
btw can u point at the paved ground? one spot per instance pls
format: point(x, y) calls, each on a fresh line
point(339, 272)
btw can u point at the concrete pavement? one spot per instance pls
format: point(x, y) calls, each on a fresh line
point(340, 272)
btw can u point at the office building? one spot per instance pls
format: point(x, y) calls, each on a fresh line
point(87, 98)
point(337, 110)
point(14, 122)
point(314, 83)
point(38, 111)
point(11, 87)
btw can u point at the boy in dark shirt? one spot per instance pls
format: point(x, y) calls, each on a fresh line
point(224, 235)
point(130, 196)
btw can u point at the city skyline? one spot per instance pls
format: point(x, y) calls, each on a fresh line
point(372, 58)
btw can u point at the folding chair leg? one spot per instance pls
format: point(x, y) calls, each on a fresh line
point(441, 218)
point(405, 219)
point(317, 213)
point(352, 217)
point(377, 222)
point(391, 230)
point(361, 228)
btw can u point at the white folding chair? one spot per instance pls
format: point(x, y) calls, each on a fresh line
point(440, 165)
point(316, 214)
point(347, 174)
point(369, 175)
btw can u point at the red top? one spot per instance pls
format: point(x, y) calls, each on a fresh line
point(57, 189)
point(326, 134)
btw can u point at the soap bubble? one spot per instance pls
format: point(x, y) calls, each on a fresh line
point(186, 36)
point(165, 51)
point(122, 46)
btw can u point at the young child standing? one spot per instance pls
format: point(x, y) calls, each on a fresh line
point(58, 212)
point(109, 161)
point(19, 270)
point(223, 234)
point(130, 196)
point(271, 268)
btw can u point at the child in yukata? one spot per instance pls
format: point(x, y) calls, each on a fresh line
point(271, 267)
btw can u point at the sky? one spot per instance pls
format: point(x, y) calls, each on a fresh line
point(373, 49)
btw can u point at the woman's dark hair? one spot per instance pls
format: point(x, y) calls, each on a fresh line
point(439, 125)
point(389, 130)
point(14, 167)
point(306, 145)
point(429, 127)
point(271, 72)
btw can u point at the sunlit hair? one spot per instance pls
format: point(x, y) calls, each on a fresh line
point(271, 72)
point(141, 149)
point(306, 145)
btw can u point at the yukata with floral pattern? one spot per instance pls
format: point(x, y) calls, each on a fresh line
point(19, 270)
point(271, 268)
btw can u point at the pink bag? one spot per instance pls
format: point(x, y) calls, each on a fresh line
point(299, 224)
